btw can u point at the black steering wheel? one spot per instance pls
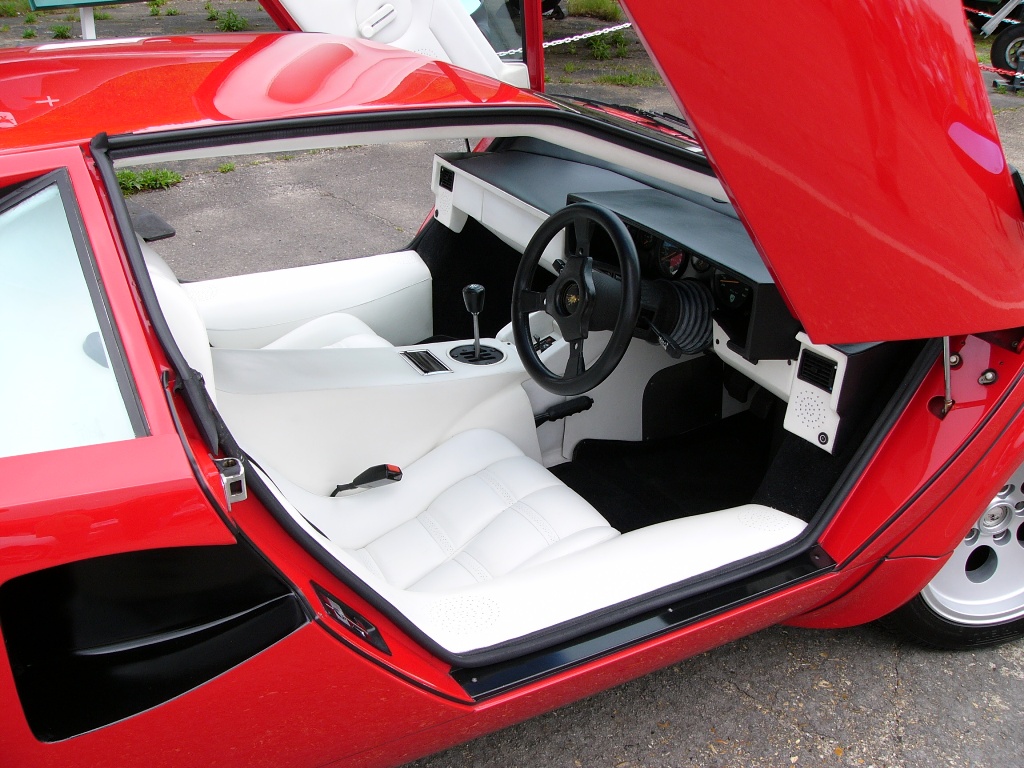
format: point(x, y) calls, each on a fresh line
point(580, 300)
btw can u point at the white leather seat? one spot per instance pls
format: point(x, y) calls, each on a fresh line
point(473, 509)
point(334, 330)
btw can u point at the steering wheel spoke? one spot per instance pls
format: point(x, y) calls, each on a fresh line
point(532, 301)
point(575, 366)
point(582, 229)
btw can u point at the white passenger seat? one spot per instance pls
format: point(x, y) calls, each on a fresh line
point(334, 330)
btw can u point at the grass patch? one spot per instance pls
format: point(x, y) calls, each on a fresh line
point(226, 167)
point(232, 22)
point(619, 44)
point(9, 10)
point(570, 67)
point(30, 18)
point(28, 34)
point(599, 48)
point(606, 10)
point(61, 32)
point(100, 15)
point(642, 77)
point(149, 179)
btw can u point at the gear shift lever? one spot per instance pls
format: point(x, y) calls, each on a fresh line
point(473, 297)
point(475, 353)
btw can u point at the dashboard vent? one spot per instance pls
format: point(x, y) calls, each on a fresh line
point(446, 178)
point(425, 362)
point(817, 370)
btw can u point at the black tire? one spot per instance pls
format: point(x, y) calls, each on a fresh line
point(1008, 48)
point(918, 622)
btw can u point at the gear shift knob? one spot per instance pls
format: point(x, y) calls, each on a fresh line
point(473, 296)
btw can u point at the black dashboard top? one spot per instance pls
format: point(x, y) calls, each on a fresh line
point(718, 238)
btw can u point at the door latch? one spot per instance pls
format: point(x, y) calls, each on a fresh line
point(232, 478)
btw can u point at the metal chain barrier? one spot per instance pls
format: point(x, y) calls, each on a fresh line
point(988, 15)
point(574, 38)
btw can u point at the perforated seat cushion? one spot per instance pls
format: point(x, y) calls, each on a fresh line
point(473, 509)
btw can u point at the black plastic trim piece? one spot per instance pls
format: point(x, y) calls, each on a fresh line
point(817, 370)
point(135, 145)
point(101, 307)
point(492, 680)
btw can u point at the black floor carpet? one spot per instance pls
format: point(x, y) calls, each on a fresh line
point(638, 484)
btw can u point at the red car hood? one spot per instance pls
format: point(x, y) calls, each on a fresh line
point(69, 92)
point(856, 141)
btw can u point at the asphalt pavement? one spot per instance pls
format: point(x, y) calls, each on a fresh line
point(782, 697)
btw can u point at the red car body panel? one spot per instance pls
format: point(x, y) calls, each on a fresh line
point(322, 694)
point(78, 91)
point(898, 195)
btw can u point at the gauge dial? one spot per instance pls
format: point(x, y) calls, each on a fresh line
point(730, 292)
point(671, 259)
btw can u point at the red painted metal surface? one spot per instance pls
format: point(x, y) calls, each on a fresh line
point(926, 462)
point(895, 194)
point(534, 53)
point(884, 589)
point(82, 89)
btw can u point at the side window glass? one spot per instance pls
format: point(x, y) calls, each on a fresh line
point(60, 386)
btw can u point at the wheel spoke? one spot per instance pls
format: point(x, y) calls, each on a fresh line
point(575, 366)
point(532, 301)
point(582, 228)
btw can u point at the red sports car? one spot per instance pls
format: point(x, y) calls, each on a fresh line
point(759, 365)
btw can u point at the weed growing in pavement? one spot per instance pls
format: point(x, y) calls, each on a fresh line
point(70, 17)
point(599, 48)
point(232, 22)
point(5, 28)
point(61, 32)
point(570, 67)
point(30, 18)
point(211, 13)
point(226, 167)
point(131, 182)
point(606, 10)
point(155, 6)
point(9, 10)
point(642, 77)
point(28, 34)
point(619, 43)
point(101, 15)
point(172, 12)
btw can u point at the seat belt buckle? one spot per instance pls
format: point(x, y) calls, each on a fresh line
point(382, 474)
